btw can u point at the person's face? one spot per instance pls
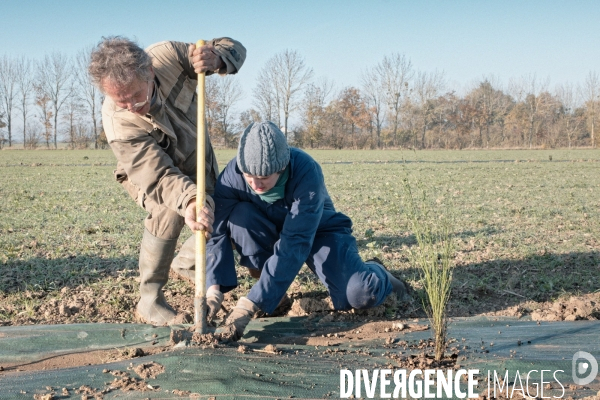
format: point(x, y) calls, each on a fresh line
point(261, 184)
point(134, 97)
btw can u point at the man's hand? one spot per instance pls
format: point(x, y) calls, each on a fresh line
point(206, 219)
point(204, 58)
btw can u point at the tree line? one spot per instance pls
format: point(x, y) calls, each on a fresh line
point(51, 98)
point(395, 105)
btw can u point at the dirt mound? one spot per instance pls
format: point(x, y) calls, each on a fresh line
point(87, 392)
point(572, 309)
point(204, 339)
point(128, 383)
point(308, 305)
point(125, 382)
point(311, 305)
point(149, 370)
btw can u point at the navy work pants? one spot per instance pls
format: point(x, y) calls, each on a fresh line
point(334, 257)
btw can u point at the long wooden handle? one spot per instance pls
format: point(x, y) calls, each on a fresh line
point(200, 276)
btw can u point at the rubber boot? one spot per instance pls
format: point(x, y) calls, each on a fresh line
point(155, 259)
point(184, 264)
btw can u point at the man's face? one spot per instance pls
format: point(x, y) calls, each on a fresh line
point(128, 96)
point(261, 184)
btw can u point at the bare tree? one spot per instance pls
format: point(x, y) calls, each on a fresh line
point(249, 116)
point(222, 94)
point(374, 93)
point(528, 91)
point(2, 125)
point(42, 100)
point(8, 91)
point(32, 137)
point(54, 74)
point(427, 87)
point(570, 121)
point(266, 97)
point(288, 74)
point(25, 79)
point(590, 92)
point(489, 106)
point(73, 108)
point(90, 95)
point(230, 94)
point(212, 107)
point(313, 109)
point(396, 72)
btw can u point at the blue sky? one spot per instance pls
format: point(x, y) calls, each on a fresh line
point(559, 40)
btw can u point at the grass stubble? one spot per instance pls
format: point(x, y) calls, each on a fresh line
point(525, 229)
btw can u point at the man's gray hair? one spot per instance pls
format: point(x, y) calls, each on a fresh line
point(120, 61)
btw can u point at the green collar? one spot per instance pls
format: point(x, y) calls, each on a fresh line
point(277, 191)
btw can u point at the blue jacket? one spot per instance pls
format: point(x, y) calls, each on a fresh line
point(305, 210)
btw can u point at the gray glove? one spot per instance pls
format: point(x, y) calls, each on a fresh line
point(214, 299)
point(240, 316)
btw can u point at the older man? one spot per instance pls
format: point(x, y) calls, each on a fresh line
point(149, 117)
point(272, 206)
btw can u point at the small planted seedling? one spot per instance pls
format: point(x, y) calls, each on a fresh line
point(434, 257)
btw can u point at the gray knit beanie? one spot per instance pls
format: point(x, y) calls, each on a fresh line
point(263, 150)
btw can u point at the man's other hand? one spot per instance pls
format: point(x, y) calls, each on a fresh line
point(206, 219)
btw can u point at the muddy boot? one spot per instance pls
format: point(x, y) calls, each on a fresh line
point(184, 264)
point(401, 288)
point(155, 258)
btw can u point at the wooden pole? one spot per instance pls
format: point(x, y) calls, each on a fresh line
point(200, 276)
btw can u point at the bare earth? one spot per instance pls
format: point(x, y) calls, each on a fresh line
point(384, 322)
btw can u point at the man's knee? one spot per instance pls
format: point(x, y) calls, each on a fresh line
point(365, 290)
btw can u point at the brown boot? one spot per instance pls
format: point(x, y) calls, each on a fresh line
point(155, 259)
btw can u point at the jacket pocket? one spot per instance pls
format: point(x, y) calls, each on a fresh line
point(186, 95)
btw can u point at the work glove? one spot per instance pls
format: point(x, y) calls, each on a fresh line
point(214, 299)
point(240, 316)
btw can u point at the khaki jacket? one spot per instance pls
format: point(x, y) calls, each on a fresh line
point(156, 153)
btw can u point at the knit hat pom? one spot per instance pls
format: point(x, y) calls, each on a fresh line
point(263, 150)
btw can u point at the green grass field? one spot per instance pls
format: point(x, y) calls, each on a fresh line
point(526, 228)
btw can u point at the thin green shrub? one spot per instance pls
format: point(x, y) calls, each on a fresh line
point(434, 257)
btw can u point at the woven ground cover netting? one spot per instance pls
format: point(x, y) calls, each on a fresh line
point(299, 357)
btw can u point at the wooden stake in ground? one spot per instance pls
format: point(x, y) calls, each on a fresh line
point(200, 276)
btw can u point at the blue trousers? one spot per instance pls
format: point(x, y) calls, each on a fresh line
point(334, 258)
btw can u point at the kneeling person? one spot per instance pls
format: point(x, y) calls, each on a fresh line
point(273, 207)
